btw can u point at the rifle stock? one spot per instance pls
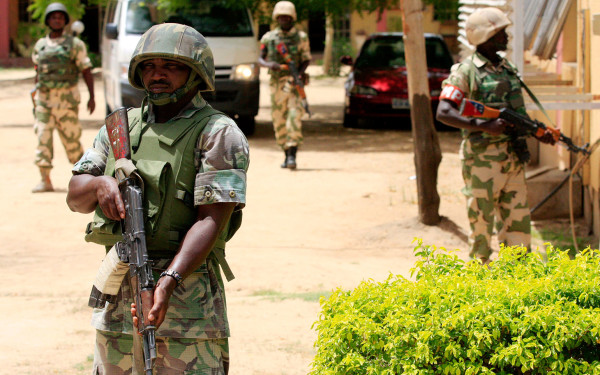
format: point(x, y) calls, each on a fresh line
point(132, 249)
point(472, 108)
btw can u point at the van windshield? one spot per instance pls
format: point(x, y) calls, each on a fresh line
point(209, 18)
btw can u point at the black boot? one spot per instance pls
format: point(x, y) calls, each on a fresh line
point(290, 160)
point(287, 153)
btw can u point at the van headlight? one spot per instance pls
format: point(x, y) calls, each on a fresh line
point(245, 72)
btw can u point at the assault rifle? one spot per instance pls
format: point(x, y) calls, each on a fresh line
point(291, 65)
point(132, 249)
point(523, 124)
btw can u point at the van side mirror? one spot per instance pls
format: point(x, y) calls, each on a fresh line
point(346, 60)
point(111, 31)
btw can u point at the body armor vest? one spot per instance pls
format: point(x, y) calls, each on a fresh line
point(56, 68)
point(292, 41)
point(165, 158)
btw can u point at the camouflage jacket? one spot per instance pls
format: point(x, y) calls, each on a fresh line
point(495, 86)
point(197, 308)
point(296, 42)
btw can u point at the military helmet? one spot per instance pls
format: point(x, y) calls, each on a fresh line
point(284, 8)
point(180, 43)
point(484, 23)
point(56, 7)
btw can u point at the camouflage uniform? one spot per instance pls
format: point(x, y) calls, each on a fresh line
point(193, 337)
point(494, 177)
point(286, 104)
point(57, 101)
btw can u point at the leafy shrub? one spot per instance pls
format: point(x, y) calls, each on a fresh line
point(519, 315)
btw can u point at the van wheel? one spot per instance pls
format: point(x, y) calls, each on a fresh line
point(247, 124)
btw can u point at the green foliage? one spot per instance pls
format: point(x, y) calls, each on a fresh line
point(27, 35)
point(341, 47)
point(519, 315)
point(444, 9)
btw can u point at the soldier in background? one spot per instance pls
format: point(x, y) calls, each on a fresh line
point(58, 59)
point(193, 160)
point(286, 105)
point(493, 162)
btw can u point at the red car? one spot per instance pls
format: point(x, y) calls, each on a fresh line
point(377, 88)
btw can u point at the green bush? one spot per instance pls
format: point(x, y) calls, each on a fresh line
point(519, 315)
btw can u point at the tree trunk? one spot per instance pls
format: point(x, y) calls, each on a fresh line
point(328, 52)
point(428, 154)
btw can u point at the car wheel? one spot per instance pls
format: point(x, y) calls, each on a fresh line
point(247, 124)
point(350, 121)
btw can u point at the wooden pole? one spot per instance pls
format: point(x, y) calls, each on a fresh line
point(428, 154)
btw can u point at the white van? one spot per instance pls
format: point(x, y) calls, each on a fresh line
point(230, 34)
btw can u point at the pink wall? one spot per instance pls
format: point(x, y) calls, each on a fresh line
point(4, 29)
point(381, 24)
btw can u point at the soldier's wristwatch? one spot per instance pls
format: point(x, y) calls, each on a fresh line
point(174, 274)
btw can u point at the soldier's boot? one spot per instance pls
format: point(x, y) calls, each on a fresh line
point(290, 160)
point(287, 153)
point(45, 184)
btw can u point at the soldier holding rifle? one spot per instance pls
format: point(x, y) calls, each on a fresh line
point(286, 52)
point(493, 156)
point(193, 162)
point(58, 60)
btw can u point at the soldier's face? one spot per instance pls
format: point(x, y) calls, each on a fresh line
point(57, 21)
point(163, 75)
point(500, 40)
point(285, 22)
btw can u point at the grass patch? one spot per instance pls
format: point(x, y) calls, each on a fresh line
point(275, 296)
point(563, 239)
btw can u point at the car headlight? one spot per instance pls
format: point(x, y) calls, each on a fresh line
point(245, 72)
point(363, 90)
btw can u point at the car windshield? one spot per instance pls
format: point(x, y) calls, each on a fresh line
point(209, 18)
point(388, 52)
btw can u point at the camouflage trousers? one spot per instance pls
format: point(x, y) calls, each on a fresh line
point(496, 197)
point(287, 112)
point(114, 354)
point(57, 109)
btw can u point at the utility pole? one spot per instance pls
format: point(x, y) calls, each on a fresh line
point(428, 154)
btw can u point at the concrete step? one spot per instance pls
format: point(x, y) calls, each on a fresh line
point(540, 186)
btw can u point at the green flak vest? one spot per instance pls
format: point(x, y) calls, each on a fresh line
point(292, 41)
point(56, 69)
point(166, 160)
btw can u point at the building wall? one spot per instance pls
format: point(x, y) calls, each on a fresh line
point(364, 24)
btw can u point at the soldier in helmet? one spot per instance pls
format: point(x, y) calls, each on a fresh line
point(286, 104)
point(193, 160)
point(492, 161)
point(58, 58)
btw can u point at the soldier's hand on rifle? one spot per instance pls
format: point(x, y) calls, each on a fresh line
point(547, 137)
point(162, 293)
point(495, 126)
point(109, 197)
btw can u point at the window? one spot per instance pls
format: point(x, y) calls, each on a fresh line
point(209, 18)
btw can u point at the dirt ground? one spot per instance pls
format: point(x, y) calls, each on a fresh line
point(348, 214)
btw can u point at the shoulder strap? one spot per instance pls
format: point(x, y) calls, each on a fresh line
point(535, 100)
